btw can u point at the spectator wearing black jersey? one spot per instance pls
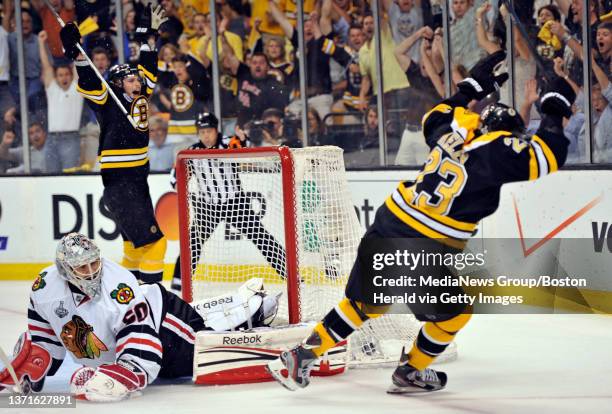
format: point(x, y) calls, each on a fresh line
point(257, 90)
point(320, 48)
point(186, 91)
point(221, 199)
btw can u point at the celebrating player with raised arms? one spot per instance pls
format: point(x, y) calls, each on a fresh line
point(124, 334)
point(122, 110)
point(471, 157)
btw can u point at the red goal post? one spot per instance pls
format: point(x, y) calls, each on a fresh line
point(289, 208)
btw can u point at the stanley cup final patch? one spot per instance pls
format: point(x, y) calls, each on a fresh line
point(60, 311)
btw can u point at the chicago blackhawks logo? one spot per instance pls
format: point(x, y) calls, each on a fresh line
point(140, 113)
point(78, 338)
point(181, 97)
point(39, 283)
point(123, 294)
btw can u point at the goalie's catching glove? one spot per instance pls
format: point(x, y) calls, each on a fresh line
point(482, 80)
point(150, 21)
point(557, 98)
point(111, 382)
point(70, 36)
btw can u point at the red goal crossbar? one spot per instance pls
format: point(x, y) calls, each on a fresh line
point(289, 211)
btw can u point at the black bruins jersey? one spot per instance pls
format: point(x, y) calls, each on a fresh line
point(123, 148)
point(187, 99)
point(461, 180)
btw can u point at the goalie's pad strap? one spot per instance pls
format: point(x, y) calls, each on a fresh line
point(241, 357)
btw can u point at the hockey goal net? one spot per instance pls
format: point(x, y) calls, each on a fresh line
point(285, 215)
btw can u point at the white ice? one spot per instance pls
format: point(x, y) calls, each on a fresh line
point(507, 364)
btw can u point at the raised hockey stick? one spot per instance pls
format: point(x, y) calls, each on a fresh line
point(11, 370)
point(98, 74)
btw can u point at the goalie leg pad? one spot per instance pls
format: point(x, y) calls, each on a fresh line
point(241, 357)
point(249, 306)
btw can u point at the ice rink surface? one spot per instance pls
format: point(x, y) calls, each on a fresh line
point(507, 364)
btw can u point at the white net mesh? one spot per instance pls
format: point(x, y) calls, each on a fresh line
point(237, 231)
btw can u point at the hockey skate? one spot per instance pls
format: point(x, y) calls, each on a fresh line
point(407, 379)
point(292, 368)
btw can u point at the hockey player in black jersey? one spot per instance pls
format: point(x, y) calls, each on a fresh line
point(221, 198)
point(471, 157)
point(123, 147)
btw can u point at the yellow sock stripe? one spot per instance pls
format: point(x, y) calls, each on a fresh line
point(346, 310)
point(455, 324)
point(327, 341)
point(432, 331)
point(418, 358)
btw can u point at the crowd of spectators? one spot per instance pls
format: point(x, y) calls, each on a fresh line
point(260, 78)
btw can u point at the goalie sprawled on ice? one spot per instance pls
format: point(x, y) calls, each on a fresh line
point(124, 334)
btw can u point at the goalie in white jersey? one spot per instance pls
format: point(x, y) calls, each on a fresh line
point(124, 334)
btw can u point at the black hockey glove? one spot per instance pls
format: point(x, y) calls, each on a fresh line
point(482, 80)
point(70, 36)
point(557, 98)
point(149, 22)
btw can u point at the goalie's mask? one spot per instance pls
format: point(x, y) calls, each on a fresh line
point(79, 262)
point(118, 73)
point(500, 117)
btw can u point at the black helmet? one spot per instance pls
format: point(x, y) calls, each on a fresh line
point(119, 72)
point(207, 120)
point(500, 117)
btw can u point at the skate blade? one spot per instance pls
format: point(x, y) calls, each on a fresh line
point(275, 368)
point(395, 390)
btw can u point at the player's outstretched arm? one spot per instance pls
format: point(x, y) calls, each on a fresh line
point(481, 82)
point(138, 358)
point(89, 85)
point(509, 157)
point(147, 30)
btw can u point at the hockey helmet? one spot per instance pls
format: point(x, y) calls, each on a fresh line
point(207, 120)
point(78, 261)
point(118, 73)
point(500, 117)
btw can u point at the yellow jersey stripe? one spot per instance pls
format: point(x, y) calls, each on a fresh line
point(550, 156)
point(408, 195)
point(128, 151)
point(98, 93)
point(147, 73)
point(129, 164)
point(182, 129)
point(533, 165)
point(484, 139)
point(96, 101)
point(419, 227)
point(444, 108)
